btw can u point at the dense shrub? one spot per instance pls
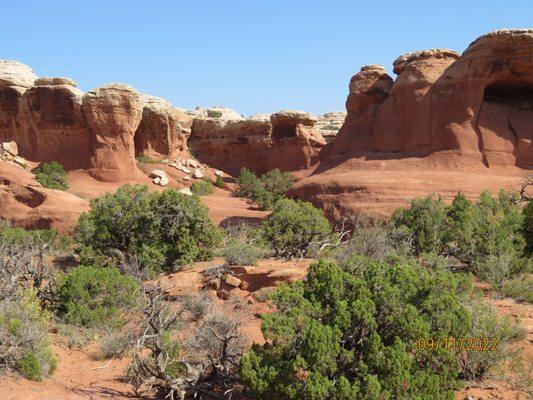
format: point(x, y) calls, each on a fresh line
point(24, 341)
point(214, 114)
point(219, 182)
point(488, 237)
point(90, 296)
point(293, 227)
point(350, 332)
point(243, 246)
point(51, 175)
point(520, 287)
point(160, 230)
point(266, 190)
point(202, 188)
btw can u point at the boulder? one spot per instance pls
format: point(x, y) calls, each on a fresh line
point(113, 113)
point(232, 280)
point(197, 174)
point(11, 148)
point(159, 177)
point(186, 191)
point(55, 81)
point(14, 73)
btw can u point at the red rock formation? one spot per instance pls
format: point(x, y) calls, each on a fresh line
point(27, 204)
point(447, 123)
point(285, 140)
point(113, 113)
point(163, 131)
point(55, 123)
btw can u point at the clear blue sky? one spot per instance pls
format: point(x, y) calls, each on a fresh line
point(252, 56)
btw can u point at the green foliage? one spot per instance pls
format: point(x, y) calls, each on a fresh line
point(350, 331)
point(489, 237)
point(265, 191)
point(426, 220)
point(202, 188)
point(219, 182)
point(143, 159)
point(24, 341)
point(519, 288)
point(161, 230)
point(51, 175)
point(214, 114)
point(293, 226)
point(90, 296)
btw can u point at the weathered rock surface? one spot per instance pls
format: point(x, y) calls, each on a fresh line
point(25, 203)
point(14, 73)
point(54, 124)
point(163, 131)
point(448, 122)
point(285, 140)
point(328, 124)
point(113, 113)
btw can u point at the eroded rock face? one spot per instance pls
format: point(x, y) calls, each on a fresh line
point(55, 124)
point(476, 106)
point(163, 131)
point(285, 140)
point(113, 113)
point(14, 73)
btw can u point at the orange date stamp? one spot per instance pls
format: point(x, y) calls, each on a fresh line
point(458, 344)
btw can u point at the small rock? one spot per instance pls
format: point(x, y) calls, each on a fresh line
point(186, 178)
point(11, 148)
point(20, 161)
point(244, 285)
point(232, 280)
point(197, 174)
point(241, 294)
point(186, 191)
point(183, 169)
point(191, 163)
point(218, 173)
point(160, 177)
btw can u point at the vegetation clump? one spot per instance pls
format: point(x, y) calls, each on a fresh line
point(350, 332)
point(157, 231)
point(202, 188)
point(266, 190)
point(294, 227)
point(51, 175)
point(91, 296)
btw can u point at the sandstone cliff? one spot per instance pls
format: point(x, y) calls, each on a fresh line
point(287, 140)
point(448, 122)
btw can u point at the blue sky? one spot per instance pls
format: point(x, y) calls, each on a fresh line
point(252, 56)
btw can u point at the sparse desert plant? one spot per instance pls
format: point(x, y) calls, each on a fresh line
point(24, 341)
point(243, 246)
point(157, 231)
point(51, 175)
point(350, 331)
point(115, 343)
point(293, 227)
point(89, 296)
point(487, 323)
point(202, 188)
point(143, 159)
